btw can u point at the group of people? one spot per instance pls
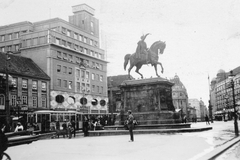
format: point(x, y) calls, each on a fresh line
point(67, 129)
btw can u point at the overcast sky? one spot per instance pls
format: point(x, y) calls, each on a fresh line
point(202, 36)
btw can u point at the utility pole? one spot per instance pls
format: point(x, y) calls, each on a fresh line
point(111, 98)
point(7, 95)
point(210, 106)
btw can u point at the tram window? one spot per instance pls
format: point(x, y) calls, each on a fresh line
point(60, 117)
point(39, 118)
point(54, 117)
point(79, 117)
point(73, 117)
point(31, 118)
point(66, 116)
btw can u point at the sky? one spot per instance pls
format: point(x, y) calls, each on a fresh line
point(202, 36)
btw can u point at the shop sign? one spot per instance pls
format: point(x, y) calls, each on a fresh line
point(25, 108)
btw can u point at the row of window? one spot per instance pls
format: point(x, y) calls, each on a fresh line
point(78, 60)
point(80, 87)
point(24, 100)
point(77, 36)
point(226, 85)
point(79, 73)
point(34, 84)
point(76, 47)
point(12, 48)
point(9, 36)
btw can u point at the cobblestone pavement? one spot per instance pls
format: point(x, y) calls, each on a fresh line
point(180, 146)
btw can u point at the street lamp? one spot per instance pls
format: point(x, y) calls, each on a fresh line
point(7, 94)
point(234, 104)
point(18, 105)
point(111, 97)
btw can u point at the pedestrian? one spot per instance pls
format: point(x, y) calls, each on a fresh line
point(94, 125)
point(85, 126)
point(69, 130)
point(130, 125)
point(74, 128)
point(19, 127)
point(207, 120)
point(57, 125)
point(64, 126)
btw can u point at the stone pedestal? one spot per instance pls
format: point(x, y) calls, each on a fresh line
point(149, 99)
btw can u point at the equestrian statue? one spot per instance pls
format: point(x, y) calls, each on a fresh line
point(143, 56)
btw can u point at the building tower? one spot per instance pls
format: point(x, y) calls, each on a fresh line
point(70, 55)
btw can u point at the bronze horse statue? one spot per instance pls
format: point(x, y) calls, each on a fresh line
point(152, 58)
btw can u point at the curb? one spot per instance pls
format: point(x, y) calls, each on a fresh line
point(151, 131)
point(220, 150)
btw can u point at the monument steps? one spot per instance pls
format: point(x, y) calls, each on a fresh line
point(149, 126)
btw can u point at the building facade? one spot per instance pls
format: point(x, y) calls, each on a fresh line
point(195, 103)
point(27, 84)
point(180, 96)
point(69, 53)
point(114, 92)
point(222, 94)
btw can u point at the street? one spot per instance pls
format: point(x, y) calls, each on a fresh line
point(180, 146)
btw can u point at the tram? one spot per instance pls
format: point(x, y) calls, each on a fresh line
point(46, 119)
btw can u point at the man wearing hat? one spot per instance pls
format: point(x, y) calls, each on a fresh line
point(142, 48)
point(130, 125)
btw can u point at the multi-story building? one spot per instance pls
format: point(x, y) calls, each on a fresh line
point(179, 96)
point(203, 110)
point(195, 103)
point(115, 92)
point(69, 53)
point(222, 94)
point(29, 85)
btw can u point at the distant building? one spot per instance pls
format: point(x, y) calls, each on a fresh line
point(195, 103)
point(69, 53)
point(114, 92)
point(179, 96)
point(203, 110)
point(221, 95)
point(27, 82)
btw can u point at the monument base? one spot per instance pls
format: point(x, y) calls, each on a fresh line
point(145, 118)
point(150, 101)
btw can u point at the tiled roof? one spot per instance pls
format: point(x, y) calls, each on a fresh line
point(23, 66)
point(146, 81)
point(115, 81)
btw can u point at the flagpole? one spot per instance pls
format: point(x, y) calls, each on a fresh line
point(210, 106)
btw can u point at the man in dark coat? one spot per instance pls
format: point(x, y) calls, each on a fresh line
point(130, 125)
point(74, 128)
point(85, 126)
point(64, 126)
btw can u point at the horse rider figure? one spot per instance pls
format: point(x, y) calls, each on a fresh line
point(142, 48)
